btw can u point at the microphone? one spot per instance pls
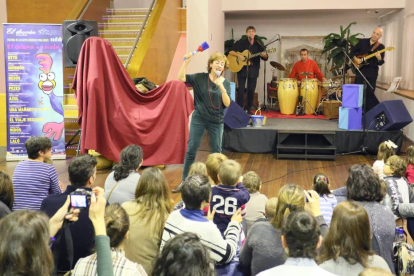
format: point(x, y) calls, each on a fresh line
point(202, 47)
point(218, 73)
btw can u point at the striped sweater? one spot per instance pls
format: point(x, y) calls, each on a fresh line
point(33, 181)
point(327, 204)
point(221, 250)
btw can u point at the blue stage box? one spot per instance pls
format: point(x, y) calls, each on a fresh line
point(352, 95)
point(350, 118)
point(233, 91)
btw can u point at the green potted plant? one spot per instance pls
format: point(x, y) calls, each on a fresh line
point(335, 44)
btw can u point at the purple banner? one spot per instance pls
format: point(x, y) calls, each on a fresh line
point(34, 86)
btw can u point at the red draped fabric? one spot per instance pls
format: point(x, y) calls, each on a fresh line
point(113, 114)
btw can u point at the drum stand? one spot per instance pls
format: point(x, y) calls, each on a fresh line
point(306, 101)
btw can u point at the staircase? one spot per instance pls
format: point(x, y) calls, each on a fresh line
point(120, 27)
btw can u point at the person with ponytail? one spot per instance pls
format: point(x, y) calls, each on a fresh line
point(117, 229)
point(263, 247)
point(120, 185)
point(327, 200)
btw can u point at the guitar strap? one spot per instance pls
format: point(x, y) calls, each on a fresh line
point(375, 46)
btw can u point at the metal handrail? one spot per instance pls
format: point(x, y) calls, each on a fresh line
point(85, 9)
point(139, 34)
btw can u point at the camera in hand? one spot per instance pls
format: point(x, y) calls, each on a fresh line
point(80, 199)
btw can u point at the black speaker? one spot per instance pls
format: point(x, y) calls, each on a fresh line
point(75, 32)
point(235, 117)
point(388, 115)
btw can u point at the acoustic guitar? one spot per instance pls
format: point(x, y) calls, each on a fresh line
point(236, 64)
point(365, 57)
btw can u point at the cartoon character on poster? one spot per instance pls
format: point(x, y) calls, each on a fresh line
point(47, 84)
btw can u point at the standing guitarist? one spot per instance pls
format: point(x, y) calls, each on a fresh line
point(370, 71)
point(251, 73)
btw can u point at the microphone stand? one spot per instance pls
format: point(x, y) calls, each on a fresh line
point(264, 107)
point(363, 148)
point(247, 75)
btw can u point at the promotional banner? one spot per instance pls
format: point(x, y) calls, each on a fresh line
point(34, 87)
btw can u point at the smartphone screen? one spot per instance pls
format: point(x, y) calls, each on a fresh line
point(78, 201)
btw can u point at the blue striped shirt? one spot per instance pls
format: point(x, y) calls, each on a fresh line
point(33, 181)
point(327, 203)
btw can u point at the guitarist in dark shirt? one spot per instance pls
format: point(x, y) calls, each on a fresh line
point(254, 47)
point(370, 71)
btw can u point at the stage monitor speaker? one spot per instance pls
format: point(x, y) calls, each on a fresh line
point(75, 32)
point(235, 116)
point(388, 115)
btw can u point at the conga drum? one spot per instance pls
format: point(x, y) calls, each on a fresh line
point(287, 94)
point(311, 87)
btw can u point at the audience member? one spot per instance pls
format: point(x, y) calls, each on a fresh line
point(102, 243)
point(327, 199)
point(25, 239)
point(263, 248)
point(184, 255)
point(364, 186)
point(117, 228)
point(385, 150)
point(301, 236)
point(147, 215)
point(400, 196)
point(255, 207)
point(398, 189)
point(34, 180)
point(228, 196)
point(270, 210)
point(196, 193)
point(120, 185)
point(213, 163)
point(6, 195)
point(409, 173)
point(198, 168)
point(347, 247)
point(195, 168)
point(82, 175)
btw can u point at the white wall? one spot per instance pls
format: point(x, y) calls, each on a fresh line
point(265, 5)
point(382, 96)
point(296, 23)
point(205, 22)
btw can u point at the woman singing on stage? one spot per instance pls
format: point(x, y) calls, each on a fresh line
point(211, 96)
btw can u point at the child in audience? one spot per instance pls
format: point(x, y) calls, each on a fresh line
point(385, 150)
point(255, 208)
point(198, 168)
point(34, 180)
point(184, 255)
point(347, 247)
point(117, 228)
point(270, 210)
point(398, 188)
point(147, 215)
point(195, 168)
point(120, 185)
point(409, 173)
point(326, 198)
point(229, 196)
point(196, 193)
point(301, 237)
point(6, 195)
point(213, 163)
